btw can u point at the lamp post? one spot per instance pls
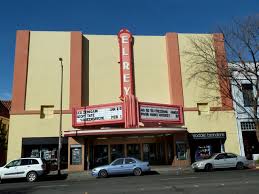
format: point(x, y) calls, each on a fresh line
point(60, 118)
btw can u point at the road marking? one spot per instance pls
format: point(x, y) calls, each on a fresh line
point(196, 185)
point(222, 184)
point(49, 186)
point(192, 177)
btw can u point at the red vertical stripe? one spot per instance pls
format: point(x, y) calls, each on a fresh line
point(76, 70)
point(20, 71)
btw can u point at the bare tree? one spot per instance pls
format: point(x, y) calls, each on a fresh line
point(221, 70)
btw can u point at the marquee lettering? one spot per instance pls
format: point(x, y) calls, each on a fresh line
point(125, 43)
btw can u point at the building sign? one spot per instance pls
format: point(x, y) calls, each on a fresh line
point(215, 135)
point(125, 44)
point(96, 115)
point(150, 112)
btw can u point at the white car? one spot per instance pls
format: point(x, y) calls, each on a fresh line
point(29, 168)
point(221, 160)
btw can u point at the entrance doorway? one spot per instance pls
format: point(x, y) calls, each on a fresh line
point(154, 153)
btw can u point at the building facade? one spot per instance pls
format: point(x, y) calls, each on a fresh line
point(5, 106)
point(123, 95)
point(243, 105)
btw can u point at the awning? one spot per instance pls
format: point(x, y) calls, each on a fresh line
point(42, 140)
point(122, 131)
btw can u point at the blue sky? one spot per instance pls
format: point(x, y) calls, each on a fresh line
point(142, 17)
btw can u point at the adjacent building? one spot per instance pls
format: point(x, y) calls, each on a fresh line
point(5, 106)
point(243, 94)
point(123, 95)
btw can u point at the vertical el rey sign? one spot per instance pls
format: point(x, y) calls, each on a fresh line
point(125, 44)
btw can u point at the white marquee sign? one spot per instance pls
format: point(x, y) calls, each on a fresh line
point(159, 113)
point(98, 115)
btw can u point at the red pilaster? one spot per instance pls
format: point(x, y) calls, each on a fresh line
point(20, 71)
point(76, 70)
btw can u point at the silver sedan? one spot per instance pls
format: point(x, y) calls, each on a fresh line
point(221, 160)
point(122, 166)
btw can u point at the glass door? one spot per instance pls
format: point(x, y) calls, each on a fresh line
point(100, 155)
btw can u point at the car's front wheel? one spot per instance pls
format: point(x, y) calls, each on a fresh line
point(31, 176)
point(208, 167)
point(137, 171)
point(103, 174)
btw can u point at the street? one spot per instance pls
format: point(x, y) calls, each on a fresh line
point(227, 181)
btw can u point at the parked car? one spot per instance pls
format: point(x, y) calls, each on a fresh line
point(122, 166)
point(29, 168)
point(221, 160)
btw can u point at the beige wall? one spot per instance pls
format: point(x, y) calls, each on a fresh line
point(33, 126)
point(104, 69)
point(192, 93)
point(44, 71)
point(151, 69)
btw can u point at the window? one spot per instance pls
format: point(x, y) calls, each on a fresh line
point(47, 111)
point(25, 162)
point(203, 108)
point(118, 162)
point(117, 151)
point(247, 90)
point(229, 155)
point(248, 126)
point(129, 161)
point(181, 151)
point(220, 157)
point(14, 163)
point(33, 161)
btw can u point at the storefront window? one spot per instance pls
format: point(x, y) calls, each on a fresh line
point(133, 150)
point(101, 155)
point(153, 152)
point(203, 152)
point(75, 154)
point(181, 151)
point(117, 151)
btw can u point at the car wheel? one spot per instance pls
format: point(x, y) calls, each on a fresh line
point(240, 166)
point(208, 167)
point(137, 171)
point(31, 176)
point(103, 174)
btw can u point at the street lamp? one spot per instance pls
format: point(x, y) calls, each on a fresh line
point(60, 118)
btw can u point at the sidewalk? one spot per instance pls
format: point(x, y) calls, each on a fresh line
point(86, 175)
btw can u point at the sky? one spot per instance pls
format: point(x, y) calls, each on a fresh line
point(141, 17)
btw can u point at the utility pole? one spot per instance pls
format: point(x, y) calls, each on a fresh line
point(60, 118)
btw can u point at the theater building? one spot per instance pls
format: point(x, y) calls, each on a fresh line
point(123, 95)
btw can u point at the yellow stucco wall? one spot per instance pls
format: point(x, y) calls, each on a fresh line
point(150, 66)
point(192, 93)
point(104, 69)
point(151, 69)
point(33, 126)
point(44, 71)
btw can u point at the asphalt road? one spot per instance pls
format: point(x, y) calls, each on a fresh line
point(223, 182)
